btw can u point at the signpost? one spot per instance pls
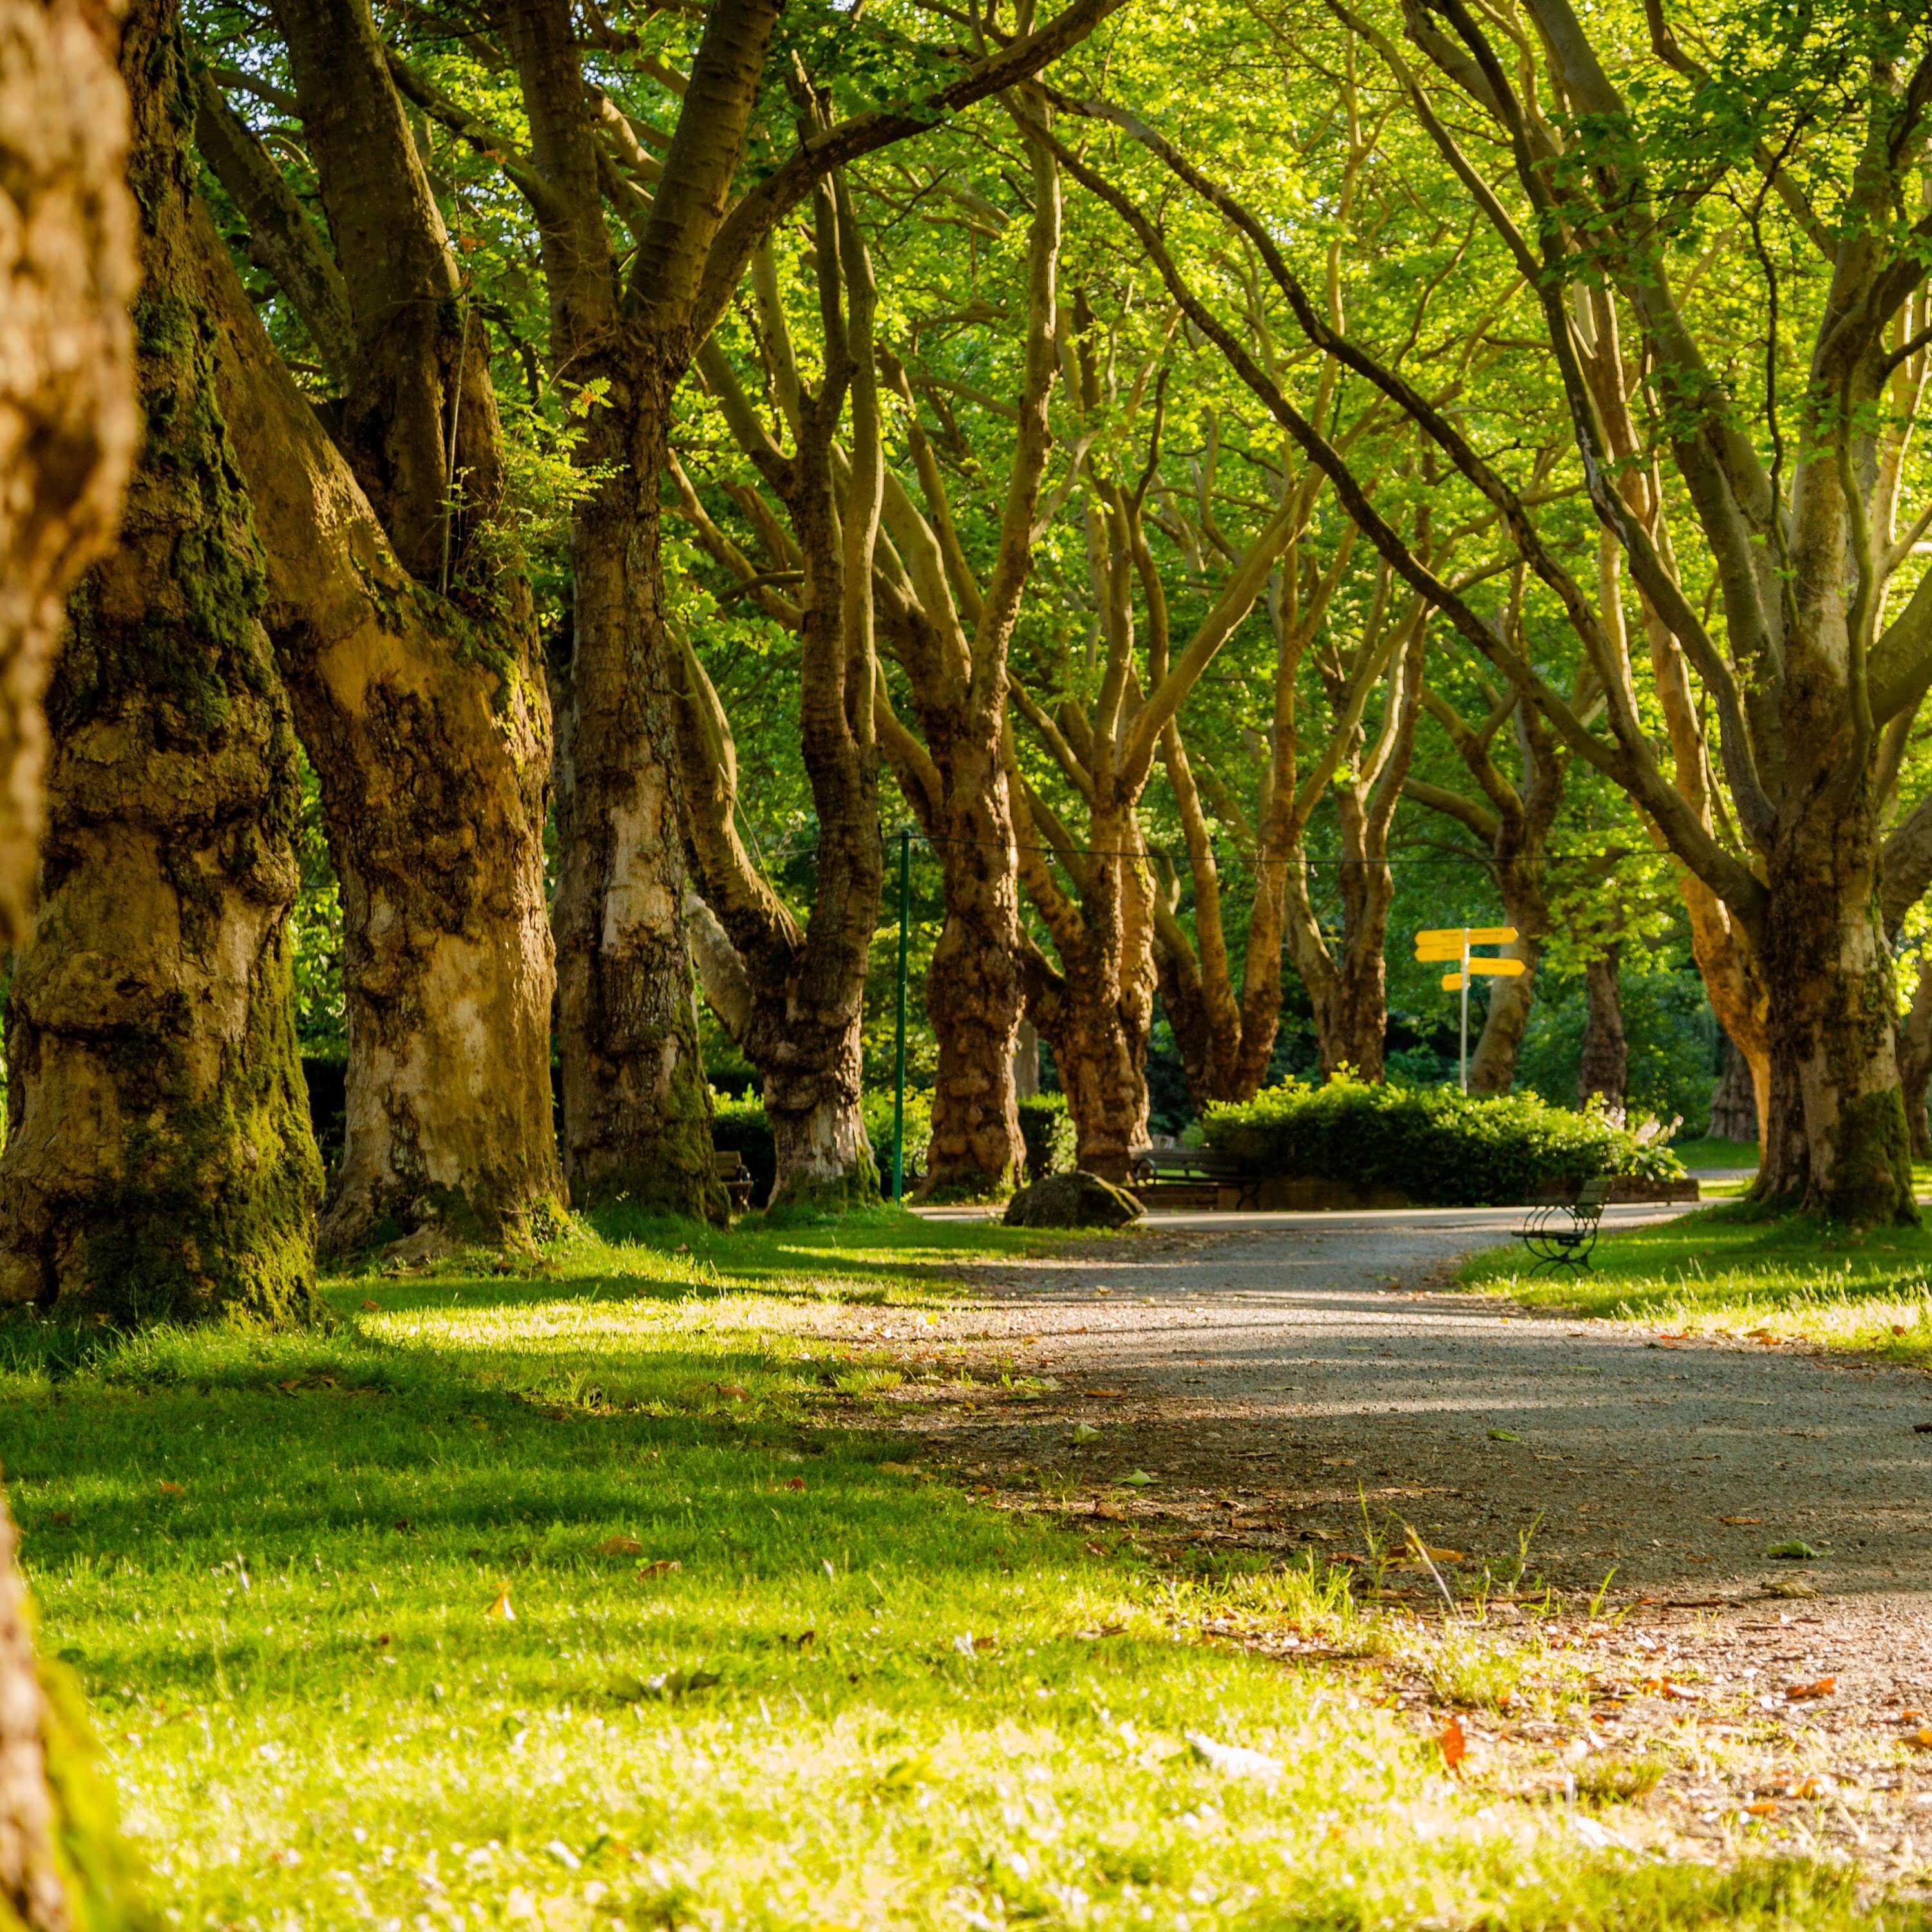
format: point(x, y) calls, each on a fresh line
point(1452, 942)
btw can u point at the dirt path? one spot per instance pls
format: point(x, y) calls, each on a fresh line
point(1279, 1377)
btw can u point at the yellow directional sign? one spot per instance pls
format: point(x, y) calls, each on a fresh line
point(1443, 945)
point(1449, 944)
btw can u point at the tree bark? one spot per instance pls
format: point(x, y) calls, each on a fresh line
point(1836, 1136)
point(975, 997)
point(637, 1112)
point(1604, 1070)
point(1915, 1068)
point(1734, 1099)
point(432, 750)
point(159, 1165)
point(68, 427)
point(409, 650)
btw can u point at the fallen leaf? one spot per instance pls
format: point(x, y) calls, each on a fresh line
point(1453, 1745)
point(1898, 1328)
point(501, 1610)
point(1504, 1436)
point(1765, 1807)
point(1823, 1687)
point(804, 1640)
point(733, 1391)
point(172, 1489)
point(1921, 1738)
point(1137, 1479)
point(665, 1566)
point(1095, 1636)
point(795, 1483)
point(1787, 1587)
point(620, 1546)
point(898, 1469)
point(1741, 1519)
point(371, 1307)
point(1443, 1555)
point(1793, 1550)
point(1084, 1431)
point(64, 1517)
point(1104, 1395)
point(1108, 1512)
point(1811, 1786)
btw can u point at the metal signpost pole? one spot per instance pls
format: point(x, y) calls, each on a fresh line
point(899, 1047)
point(1466, 1009)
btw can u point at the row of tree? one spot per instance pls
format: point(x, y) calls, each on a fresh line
point(580, 445)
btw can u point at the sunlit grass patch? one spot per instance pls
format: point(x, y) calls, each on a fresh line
point(1725, 1272)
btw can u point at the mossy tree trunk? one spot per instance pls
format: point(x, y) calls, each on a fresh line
point(68, 426)
point(1836, 1140)
point(404, 627)
point(159, 1164)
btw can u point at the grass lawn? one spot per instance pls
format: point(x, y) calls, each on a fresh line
point(593, 1595)
point(1723, 1272)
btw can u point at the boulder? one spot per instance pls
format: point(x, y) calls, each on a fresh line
point(1076, 1200)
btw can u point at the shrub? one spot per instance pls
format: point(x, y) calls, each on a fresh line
point(1047, 1128)
point(1439, 1147)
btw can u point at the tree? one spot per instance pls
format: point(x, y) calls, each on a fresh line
point(1101, 725)
point(1776, 820)
point(1512, 818)
point(159, 1163)
point(404, 631)
point(634, 1104)
point(797, 1001)
point(68, 428)
point(939, 702)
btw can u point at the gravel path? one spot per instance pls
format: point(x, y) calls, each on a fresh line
point(1281, 1377)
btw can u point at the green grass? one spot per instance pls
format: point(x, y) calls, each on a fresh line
point(272, 1561)
point(1706, 1153)
point(1725, 1271)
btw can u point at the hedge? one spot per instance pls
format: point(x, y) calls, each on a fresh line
point(1047, 1128)
point(1440, 1147)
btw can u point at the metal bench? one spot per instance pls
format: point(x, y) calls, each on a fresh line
point(1562, 1233)
point(729, 1165)
point(1196, 1167)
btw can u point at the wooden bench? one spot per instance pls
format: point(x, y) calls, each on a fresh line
point(1205, 1168)
point(1562, 1233)
point(729, 1164)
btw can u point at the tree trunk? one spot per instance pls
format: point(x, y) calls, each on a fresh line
point(68, 426)
point(1604, 1071)
point(1026, 1061)
point(1099, 1040)
point(431, 742)
point(1734, 1099)
point(1521, 848)
point(1914, 1067)
point(637, 1112)
point(974, 996)
point(1836, 1140)
point(159, 1165)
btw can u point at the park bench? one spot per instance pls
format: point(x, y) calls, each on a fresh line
point(1175, 1169)
point(1561, 1233)
point(729, 1164)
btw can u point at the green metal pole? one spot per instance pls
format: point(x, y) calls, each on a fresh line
point(899, 1048)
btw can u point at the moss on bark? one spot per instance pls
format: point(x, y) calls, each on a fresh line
point(159, 1164)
